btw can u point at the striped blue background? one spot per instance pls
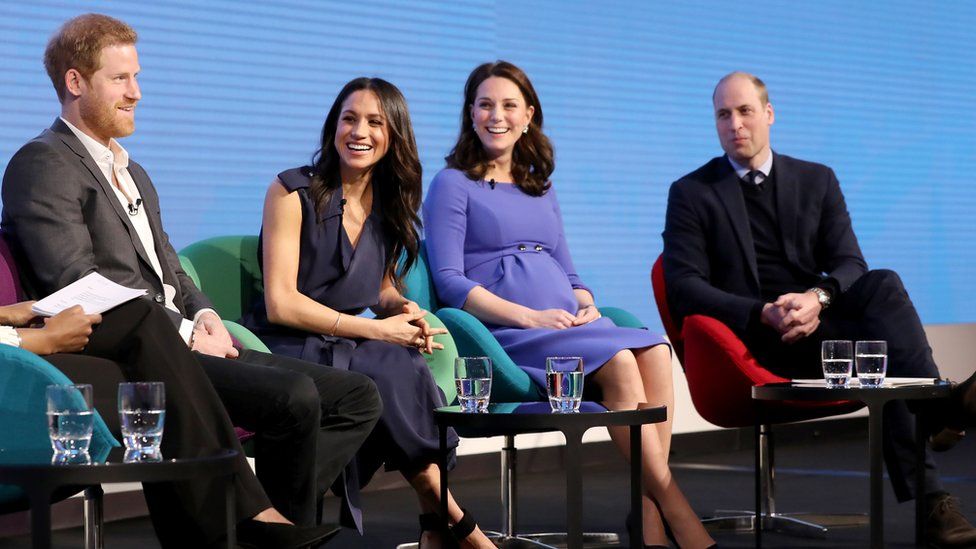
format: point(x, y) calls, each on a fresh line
point(234, 92)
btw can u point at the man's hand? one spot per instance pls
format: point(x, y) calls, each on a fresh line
point(802, 315)
point(210, 337)
point(586, 314)
point(18, 314)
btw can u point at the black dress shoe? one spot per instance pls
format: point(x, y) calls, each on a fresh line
point(945, 525)
point(252, 534)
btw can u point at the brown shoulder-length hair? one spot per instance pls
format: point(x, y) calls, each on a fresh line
point(79, 43)
point(532, 159)
point(396, 178)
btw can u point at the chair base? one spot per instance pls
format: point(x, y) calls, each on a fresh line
point(811, 525)
point(542, 540)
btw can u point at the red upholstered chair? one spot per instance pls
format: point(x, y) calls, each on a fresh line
point(721, 373)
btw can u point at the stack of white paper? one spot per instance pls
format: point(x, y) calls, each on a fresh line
point(95, 293)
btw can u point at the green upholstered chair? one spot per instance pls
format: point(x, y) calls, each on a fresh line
point(509, 384)
point(226, 269)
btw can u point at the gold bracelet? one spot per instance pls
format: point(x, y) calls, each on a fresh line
point(335, 326)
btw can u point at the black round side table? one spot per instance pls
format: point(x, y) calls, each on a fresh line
point(33, 472)
point(875, 398)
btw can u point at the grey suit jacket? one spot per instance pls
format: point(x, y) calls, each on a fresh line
point(63, 218)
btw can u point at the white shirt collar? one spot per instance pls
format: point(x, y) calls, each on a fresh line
point(113, 155)
point(741, 170)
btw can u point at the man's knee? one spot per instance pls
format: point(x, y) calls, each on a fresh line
point(885, 278)
point(360, 398)
point(298, 403)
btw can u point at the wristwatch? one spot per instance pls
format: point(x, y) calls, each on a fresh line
point(822, 296)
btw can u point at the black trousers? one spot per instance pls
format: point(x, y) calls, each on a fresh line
point(137, 342)
point(875, 307)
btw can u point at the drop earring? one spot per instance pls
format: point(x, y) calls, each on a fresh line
point(525, 129)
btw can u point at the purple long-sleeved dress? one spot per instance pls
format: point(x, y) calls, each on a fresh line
point(514, 246)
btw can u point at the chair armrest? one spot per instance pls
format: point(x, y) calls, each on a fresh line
point(441, 363)
point(24, 377)
point(509, 383)
point(245, 337)
point(189, 269)
point(721, 372)
point(622, 318)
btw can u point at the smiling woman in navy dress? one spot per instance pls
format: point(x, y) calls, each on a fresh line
point(332, 234)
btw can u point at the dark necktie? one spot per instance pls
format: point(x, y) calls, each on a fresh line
point(753, 178)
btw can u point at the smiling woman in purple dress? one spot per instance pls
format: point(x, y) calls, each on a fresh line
point(331, 236)
point(497, 249)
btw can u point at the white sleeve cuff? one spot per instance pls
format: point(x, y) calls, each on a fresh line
point(9, 336)
point(196, 317)
point(186, 330)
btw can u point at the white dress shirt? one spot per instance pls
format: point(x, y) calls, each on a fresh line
point(114, 160)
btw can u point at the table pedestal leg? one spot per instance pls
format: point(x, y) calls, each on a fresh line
point(919, 479)
point(94, 518)
point(636, 488)
point(574, 489)
point(40, 512)
point(875, 419)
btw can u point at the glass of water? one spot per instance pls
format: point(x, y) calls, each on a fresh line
point(564, 383)
point(837, 358)
point(70, 420)
point(871, 361)
point(142, 411)
point(473, 377)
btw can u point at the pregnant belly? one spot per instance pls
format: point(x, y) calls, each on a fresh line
point(534, 280)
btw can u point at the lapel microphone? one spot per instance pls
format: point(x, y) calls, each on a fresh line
point(491, 183)
point(342, 206)
point(134, 207)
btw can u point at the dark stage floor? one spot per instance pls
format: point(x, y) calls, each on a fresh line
point(816, 473)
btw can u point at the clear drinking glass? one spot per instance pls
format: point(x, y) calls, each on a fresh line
point(142, 411)
point(70, 419)
point(871, 361)
point(564, 383)
point(473, 377)
point(837, 356)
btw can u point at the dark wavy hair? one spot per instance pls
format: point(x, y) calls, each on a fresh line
point(532, 159)
point(396, 178)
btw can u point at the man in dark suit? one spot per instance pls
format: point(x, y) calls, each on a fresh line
point(74, 203)
point(764, 243)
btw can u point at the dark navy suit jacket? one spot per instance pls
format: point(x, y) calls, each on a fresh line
point(709, 257)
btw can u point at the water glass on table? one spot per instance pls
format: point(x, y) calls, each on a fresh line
point(871, 362)
point(69, 422)
point(564, 383)
point(836, 356)
point(142, 411)
point(472, 374)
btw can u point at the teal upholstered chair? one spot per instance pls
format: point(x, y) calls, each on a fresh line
point(23, 379)
point(509, 384)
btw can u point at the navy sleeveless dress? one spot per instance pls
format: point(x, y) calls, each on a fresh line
point(334, 273)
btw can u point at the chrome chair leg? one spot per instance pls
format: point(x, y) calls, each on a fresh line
point(811, 525)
